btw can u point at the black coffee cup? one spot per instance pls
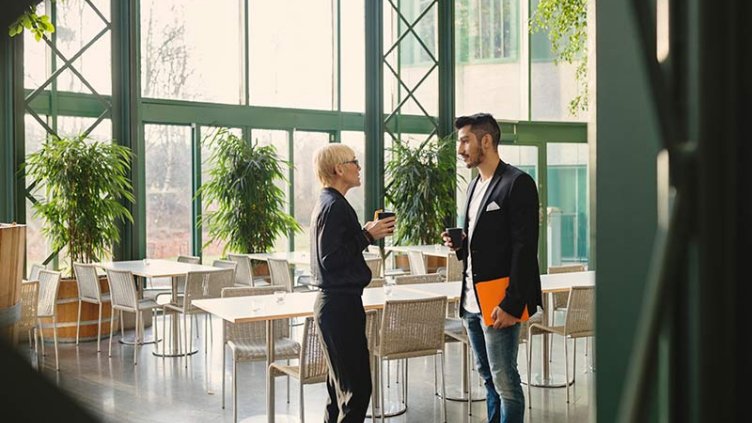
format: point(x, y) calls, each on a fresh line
point(456, 235)
point(384, 214)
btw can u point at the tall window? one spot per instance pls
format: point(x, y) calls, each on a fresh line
point(487, 30)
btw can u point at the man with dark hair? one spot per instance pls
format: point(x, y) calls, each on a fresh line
point(500, 240)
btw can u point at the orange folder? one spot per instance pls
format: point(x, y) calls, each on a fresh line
point(490, 294)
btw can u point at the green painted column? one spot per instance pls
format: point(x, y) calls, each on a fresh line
point(446, 85)
point(374, 113)
point(627, 144)
point(11, 129)
point(126, 122)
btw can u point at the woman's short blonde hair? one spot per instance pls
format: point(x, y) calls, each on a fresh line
point(326, 158)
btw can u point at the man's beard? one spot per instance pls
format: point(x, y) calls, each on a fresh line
point(477, 161)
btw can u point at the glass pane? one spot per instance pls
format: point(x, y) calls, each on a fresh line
point(552, 86)
point(568, 211)
point(69, 126)
point(353, 64)
point(357, 196)
point(36, 57)
point(524, 157)
point(289, 39)
point(37, 247)
point(410, 59)
point(279, 139)
point(77, 24)
point(192, 50)
point(491, 71)
point(214, 250)
point(168, 191)
point(307, 186)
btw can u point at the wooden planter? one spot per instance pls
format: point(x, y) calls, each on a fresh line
point(12, 242)
point(67, 314)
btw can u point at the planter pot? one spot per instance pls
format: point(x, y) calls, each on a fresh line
point(67, 313)
point(12, 242)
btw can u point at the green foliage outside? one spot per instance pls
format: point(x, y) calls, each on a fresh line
point(39, 25)
point(249, 213)
point(422, 189)
point(84, 185)
point(566, 23)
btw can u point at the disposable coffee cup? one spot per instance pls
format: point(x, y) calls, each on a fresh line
point(456, 235)
point(384, 214)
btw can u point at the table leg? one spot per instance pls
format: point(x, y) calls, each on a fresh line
point(269, 378)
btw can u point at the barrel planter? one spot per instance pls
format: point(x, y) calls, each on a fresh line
point(67, 314)
point(12, 242)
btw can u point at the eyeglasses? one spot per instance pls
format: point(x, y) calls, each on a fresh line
point(355, 162)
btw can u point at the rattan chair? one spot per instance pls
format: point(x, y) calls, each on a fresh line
point(577, 324)
point(311, 368)
point(413, 279)
point(409, 329)
point(376, 283)
point(454, 331)
point(34, 272)
point(89, 291)
point(247, 341)
point(417, 263)
point(559, 299)
point(244, 271)
point(198, 285)
point(123, 297)
point(28, 320)
point(279, 270)
point(227, 264)
point(49, 283)
point(375, 264)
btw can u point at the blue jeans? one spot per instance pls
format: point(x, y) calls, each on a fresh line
point(496, 361)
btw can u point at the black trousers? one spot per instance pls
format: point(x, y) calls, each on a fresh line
point(341, 321)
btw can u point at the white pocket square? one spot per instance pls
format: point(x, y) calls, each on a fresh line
point(493, 206)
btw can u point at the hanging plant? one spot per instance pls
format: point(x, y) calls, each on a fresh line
point(250, 207)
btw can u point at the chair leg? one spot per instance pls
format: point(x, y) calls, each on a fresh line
point(404, 384)
point(41, 336)
point(223, 374)
point(574, 360)
point(54, 337)
point(164, 332)
point(468, 359)
point(381, 385)
point(288, 384)
point(135, 341)
point(302, 403)
point(156, 333)
point(78, 321)
point(529, 356)
point(112, 330)
point(566, 367)
point(185, 338)
point(99, 326)
point(234, 388)
point(443, 385)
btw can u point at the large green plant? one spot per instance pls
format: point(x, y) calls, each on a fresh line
point(84, 184)
point(421, 188)
point(249, 212)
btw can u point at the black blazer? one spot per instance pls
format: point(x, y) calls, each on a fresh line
point(505, 240)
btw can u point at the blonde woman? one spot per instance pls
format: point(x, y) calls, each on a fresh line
point(340, 271)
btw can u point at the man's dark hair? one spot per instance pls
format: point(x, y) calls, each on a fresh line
point(481, 124)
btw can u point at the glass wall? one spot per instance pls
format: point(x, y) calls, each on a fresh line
point(308, 56)
point(568, 210)
point(169, 195)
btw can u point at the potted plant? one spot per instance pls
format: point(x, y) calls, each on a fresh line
point(83, 185)
point(249, 212)
point(421, 188)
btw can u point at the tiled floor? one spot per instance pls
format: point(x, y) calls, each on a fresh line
point(163, 390)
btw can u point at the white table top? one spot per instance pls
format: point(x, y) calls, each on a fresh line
point(156, 268)
point(437, 250)
point(558, 282)
point(296, 304)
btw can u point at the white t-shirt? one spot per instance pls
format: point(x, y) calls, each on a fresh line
point(471, 303)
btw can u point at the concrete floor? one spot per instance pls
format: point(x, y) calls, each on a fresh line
point(163, 390)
